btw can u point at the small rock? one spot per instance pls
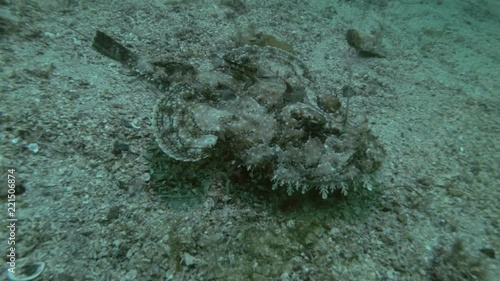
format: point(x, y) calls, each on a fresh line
point(119, 148)
point(113, 213)
point(189, 260)
point(425, 181)
point(260, 277)
point(33, 147)
point(329, 103)
point(130, 276)
point(402, 218)
point(490, 252)
point(145, 177)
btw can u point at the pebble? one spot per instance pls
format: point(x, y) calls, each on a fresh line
point(33, 147)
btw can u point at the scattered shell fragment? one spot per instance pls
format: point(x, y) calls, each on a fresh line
point(26, 272)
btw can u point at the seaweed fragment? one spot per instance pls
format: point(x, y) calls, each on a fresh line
point(110, 48)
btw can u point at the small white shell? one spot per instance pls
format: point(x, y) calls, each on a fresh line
point(26, 272)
